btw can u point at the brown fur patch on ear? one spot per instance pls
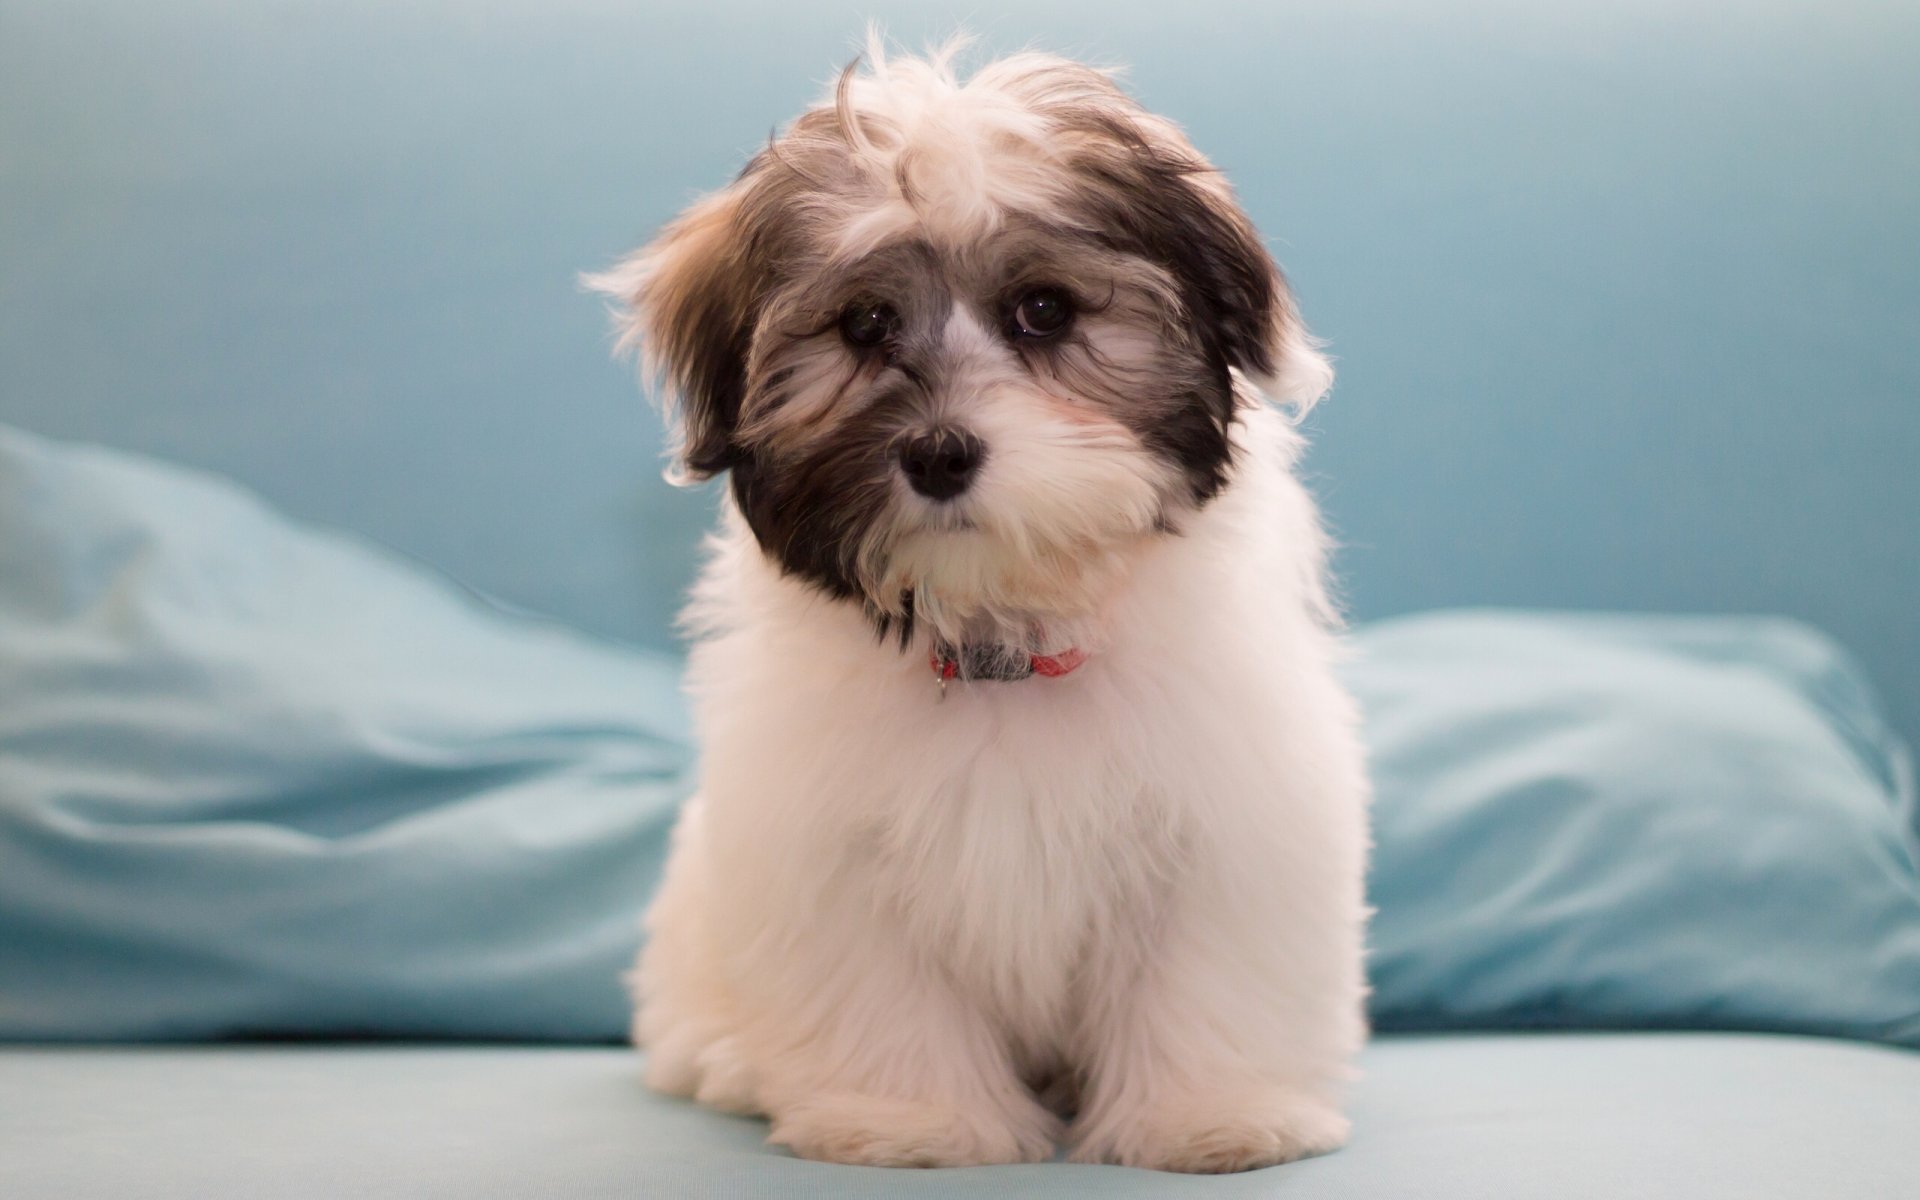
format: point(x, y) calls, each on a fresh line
point(1154, 195)
point(687, 305)
point(1235, 287)
point(1147, 190)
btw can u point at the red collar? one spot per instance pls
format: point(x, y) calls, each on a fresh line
point(1000, 664)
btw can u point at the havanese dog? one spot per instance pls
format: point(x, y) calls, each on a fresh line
point(1030, 807)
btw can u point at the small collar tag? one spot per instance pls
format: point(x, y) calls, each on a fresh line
point(1000, 664)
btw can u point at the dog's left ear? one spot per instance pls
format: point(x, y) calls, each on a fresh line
point(1182, 212)
point(686, 303)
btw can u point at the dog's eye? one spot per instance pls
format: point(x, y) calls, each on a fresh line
point(868, 323)
point(1042, 312)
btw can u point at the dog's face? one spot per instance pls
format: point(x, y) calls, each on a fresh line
point(964, 346)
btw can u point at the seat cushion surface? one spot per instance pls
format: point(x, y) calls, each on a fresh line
point(1692, 1116)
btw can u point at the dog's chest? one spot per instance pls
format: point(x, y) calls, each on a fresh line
point(1027, 864)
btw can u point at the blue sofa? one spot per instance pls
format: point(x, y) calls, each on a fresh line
point(1624, 301)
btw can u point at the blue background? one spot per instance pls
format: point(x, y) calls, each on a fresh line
point(1625, 297)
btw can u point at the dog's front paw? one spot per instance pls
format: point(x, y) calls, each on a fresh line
point(877, 1131)
point(1214, 1135)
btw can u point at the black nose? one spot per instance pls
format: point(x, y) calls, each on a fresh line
point(941, 464)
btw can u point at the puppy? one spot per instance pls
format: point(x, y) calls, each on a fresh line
point(1030, 806)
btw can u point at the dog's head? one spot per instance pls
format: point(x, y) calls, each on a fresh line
point(962, 345)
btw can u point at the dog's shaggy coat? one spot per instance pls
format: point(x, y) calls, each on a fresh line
point(928, 924)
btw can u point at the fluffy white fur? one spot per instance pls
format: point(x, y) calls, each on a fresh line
point(894, 908)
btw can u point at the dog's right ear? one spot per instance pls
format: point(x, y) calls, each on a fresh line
point(686, 303)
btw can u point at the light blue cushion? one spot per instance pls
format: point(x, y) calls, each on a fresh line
point(257, 778)
point(1636, 821)
point(260, 779)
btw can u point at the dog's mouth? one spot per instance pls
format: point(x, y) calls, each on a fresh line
point(946, 518)
point(970, 581)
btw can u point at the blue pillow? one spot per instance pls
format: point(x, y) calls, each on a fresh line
point(1635, 821)
point(258, 779)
